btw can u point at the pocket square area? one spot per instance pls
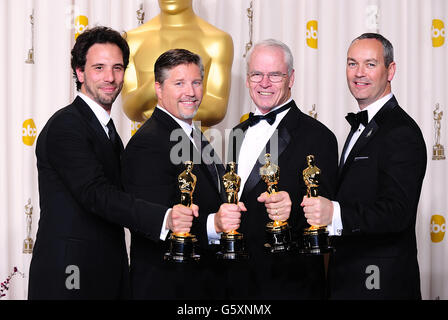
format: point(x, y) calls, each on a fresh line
point(360, 158)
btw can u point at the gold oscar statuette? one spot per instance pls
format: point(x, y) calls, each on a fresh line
point(232, 242)
point(278, 232)
point(28, 242)
point(177, 26)
point(438, 152)
point(315, 238)
point(313, 113)
point(182, 245)
point(30, 59)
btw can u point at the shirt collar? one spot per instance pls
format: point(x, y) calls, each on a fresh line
point(184, 125)
point(99, 111)
point(258, 112)
point(373, 108)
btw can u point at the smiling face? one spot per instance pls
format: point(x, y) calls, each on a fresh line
point(266, 94)
point(367, 76)
point(181, 92)
point(102, 78)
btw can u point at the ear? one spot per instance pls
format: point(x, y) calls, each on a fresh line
point(291, 79)
point(391, 71)
point(158, 88)
point(80, 75)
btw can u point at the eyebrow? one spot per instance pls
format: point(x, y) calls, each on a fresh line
point(183, 79)
point(368, 60)
point(271, 72)
point(103, 64)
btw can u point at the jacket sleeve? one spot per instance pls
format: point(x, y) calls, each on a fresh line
point(398, 175)
point(76, 155)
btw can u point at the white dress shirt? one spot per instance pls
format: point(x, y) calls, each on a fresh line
point(335, 228)
point(102, 115)
point(254, 141)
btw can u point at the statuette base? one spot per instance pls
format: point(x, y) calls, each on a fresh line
point(232, 247)
point(182, 249)
point(315, 241)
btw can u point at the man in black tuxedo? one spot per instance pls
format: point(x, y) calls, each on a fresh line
point(380, 178)
point(152, 162)
point(279, 122)
point(80, 250)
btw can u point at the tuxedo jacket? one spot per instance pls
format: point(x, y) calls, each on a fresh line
point(379, 190)
point(80, 250)
point(286, 276)
point(152, 162)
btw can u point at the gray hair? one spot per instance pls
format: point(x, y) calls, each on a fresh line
point(388, 49)
point(289, 59)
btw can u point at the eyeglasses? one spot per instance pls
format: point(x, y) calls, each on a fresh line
point(272, 76)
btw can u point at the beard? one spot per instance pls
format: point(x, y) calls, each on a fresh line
point(103, 99)
point(188, 116)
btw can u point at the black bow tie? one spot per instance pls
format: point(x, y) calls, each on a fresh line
point(269, 117)
point(356, 118)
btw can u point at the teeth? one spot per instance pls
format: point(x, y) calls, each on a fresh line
point(189, 104)
point(266, 93)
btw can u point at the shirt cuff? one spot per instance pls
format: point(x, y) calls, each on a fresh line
point(213, 236)
point(335, 228)
point(164, 232)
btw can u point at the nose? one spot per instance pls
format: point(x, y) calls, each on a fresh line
point(108, 75)
point(265, 82)
point(360, 71)
point(189, 90)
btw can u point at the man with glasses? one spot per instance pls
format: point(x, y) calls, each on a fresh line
point(278, 126)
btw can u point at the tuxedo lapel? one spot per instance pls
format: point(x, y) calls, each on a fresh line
point(367, 135)
point(221, 171)
point(193, 154)
point(236, 141)
point(90, 117)
point(253, 178)
point(212, 163)
point(94, 123)
point(347, 142)
point(283, 141)
point(184, 147)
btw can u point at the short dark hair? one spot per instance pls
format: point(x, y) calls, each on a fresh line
point(388, 49)
point(172, 58)
point(90, 37)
